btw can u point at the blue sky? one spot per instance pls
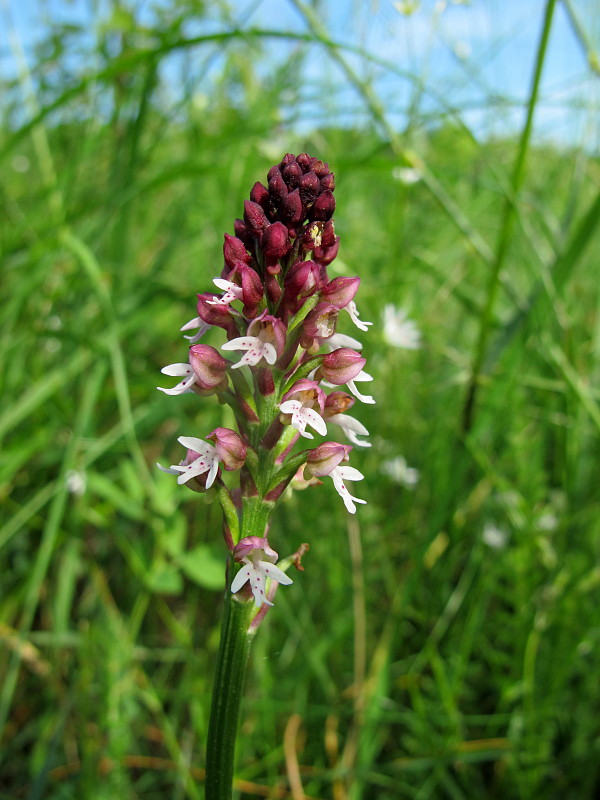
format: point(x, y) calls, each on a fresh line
point(459, 55)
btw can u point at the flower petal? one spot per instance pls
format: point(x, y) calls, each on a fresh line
point(197, 445)
point(212, 474)
point(315, 420)
point(273, 572)
point(242, 576)
point(177, 369)
point(241, 343)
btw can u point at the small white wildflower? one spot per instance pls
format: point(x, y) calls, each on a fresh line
point(399, 471)
point(398, 330)
point(76, 482)
point(494, 537)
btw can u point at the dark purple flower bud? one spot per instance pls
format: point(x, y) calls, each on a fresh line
point(323, 207)
point(277, 187)
point(234, 250)
point(250, 282)
point(275, 242)
point(254, 217)
point(273, 172)
point(291, 209)
point(309, 187)
point(209, 367)
point(328, 236)
point(320, 168)
point(340, 291)
point(243, 233)
point(325, 255)
point(320, 323)
point(289, 158)
point(328, 182)
point(337, 403)
point(305, 161)
point(292, 174)
point(259, 194)
point(231, 450)
point(325, 458)
point(301, 281)
point(341, 366)
point(272, 286)
point(252, 290)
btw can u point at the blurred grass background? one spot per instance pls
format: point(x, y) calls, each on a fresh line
point(443, 643)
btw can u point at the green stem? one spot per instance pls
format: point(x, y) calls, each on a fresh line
point(227, 694)
point(506, 230)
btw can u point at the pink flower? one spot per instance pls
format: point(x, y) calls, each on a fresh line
point(265, 340)
point(299, 407)
point(206, 371)
point(230, 448)
point(341, 366)
point(325, 458)
point(201, 458)
point(259, 560)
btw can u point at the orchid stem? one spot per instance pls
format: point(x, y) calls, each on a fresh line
point(232, 661)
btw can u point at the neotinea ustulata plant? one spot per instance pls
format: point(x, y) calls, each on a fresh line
point(277, 307)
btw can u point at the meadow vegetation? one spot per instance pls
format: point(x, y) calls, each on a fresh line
point(445, 642)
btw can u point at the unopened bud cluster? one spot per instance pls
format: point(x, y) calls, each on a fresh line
point(279, 311)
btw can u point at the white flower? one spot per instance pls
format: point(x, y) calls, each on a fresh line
point(76, 481)
point(303, 416)
point(258, 568)
point(398, 330)
point(199, 323)
point(362, 376)
point(341, 340)
point(406, 175)
point(399, 471)
point(179, 370)
point(232, 292)
point(353, 311)
point(494, 537)
point(256, 349)
point(352, 428)
point(207, 461)
point(339, 475)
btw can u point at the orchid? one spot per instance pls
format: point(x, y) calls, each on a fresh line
point(205, 460)
point(259, 560)
point(179, 370)
point(398, 330)
point(232, 292)
point(280, 310)
point(341, 474)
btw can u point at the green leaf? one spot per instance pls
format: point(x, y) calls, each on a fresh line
point(204, 568)
point(166, 580)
